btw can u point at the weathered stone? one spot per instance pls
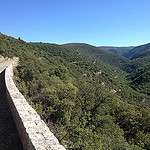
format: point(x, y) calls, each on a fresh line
point(9, 136)
point(34, 133)
point(1, 58)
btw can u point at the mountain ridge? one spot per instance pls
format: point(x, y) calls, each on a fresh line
point(132, 54)
point(117, 50)
point(99, 53)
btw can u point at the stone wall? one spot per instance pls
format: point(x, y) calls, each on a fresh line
point(34, 133)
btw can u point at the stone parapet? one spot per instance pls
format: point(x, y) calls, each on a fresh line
point(34, 133)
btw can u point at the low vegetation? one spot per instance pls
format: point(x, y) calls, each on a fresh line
point(86, 102)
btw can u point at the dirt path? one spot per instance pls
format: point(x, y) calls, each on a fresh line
point(9, 138)
point(3, 65)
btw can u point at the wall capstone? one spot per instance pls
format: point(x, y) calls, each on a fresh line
point(34, 133)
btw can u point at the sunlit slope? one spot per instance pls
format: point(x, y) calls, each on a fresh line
point(105, 56)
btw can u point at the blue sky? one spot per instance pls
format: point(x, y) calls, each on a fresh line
point(96, 22)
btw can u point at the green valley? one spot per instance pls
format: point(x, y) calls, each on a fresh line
point(91, 99)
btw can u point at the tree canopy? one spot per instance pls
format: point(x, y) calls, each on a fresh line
point(86, 101)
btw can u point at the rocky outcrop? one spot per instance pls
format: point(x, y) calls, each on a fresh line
point(1, 58)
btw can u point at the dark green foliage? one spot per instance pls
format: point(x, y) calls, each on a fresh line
point(138, 69)
point(136, 51)
point(142, 54)
point(133, 121)
point(81, 98)
point(140, 79)
point(135, 64)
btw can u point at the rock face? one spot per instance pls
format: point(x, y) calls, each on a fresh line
point(99, 72)
point(34, 133)
point(1, 58)
point(15, 59)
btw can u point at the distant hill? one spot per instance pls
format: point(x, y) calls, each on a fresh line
point(103, 55)
point(139, 56)
point(135, 63)
point(135, 52)
point(117, 50)
point(142, 54)
point(139, 68)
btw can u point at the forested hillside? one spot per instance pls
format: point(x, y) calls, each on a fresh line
point(140, 79)
point(117, 50)
point(103, 55)
point(80, 95)
point(138, 68)
point(136, 63)
point(136, 51)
